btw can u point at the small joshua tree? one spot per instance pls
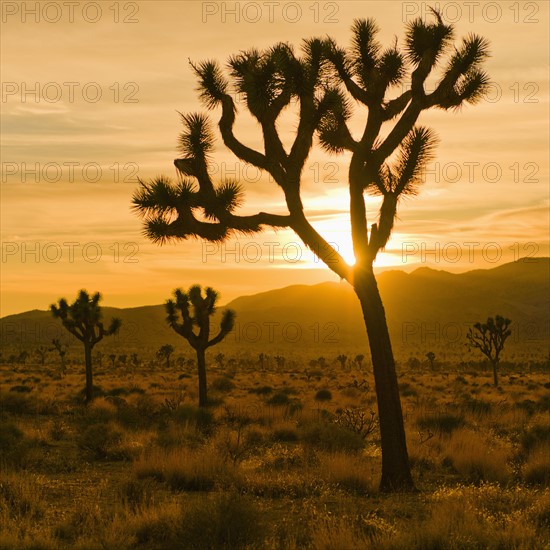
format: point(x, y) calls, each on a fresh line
point(41, 352)
point(343, 359)
point(359, 360)
point(430, 356)
point(61, 349)
point(195, 311)
point(164, 353)
point(83, 319)
point(489, 338)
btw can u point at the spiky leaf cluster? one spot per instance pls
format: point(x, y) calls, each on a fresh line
point(83, 318)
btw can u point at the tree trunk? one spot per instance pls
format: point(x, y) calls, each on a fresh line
point(203, 400)
point(396, 473)
point(495, 375)
point(89, 375)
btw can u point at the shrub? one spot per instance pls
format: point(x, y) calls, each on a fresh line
point(226, 521)
point(441, 423)
point(535, 435)
point(470, 455)
point(200, 417)
point(101, 441)
point(182, 469)
point(330, 437)
point(285, 435)
point(21, 389)
point(222, 384)
point(279, 398)
point(262, 390)
point(536, 470)
point(323, 395)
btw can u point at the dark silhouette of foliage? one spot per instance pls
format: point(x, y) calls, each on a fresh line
point(430, 356)
point(191, 310)
point(489, 338)
point(83, 319)
point(61, 349)
point(164, 353)
point(41, 351)
point(319, 81)
point(342, 359)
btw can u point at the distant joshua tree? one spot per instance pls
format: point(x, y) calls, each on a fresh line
point(164, 353)
point(83, 319)
point(489, 338)
point(342, 359)
point(430, 356)
point(61, 349)
point(386, 158)
point(359, 360)
point(41, 351)
point(194, 310)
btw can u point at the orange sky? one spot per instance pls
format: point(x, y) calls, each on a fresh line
point(90, 102)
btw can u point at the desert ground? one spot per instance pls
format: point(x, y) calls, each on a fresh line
point(285, 456)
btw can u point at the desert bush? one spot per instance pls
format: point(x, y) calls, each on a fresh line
point(200, 417)
point(323, 395)
point(21, 389)
point(279, 398)
point(225, 521)
point(330, 437)
point(182, 469)
point(440, 423)
point(349, 472)
point(285, 435)
point(101, 441)
point(262, 390)
point(14, 446)
point(535, 435)
point(16, 403)
point(536, 470)
point(20, 497)
point(469, 454)
point(136, 494)
point(476, 406)
point(222, 384)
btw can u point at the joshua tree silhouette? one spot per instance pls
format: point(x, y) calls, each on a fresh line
point(489, 338)
point(195, 311)
point(83, 319)
point(164, 352)
point(269, 81)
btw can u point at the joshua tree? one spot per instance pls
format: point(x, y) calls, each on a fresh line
point(195, 311)
point(164, 353)
point(112, 357)
point(280, 361)
point(41, 352)
point(430, 356)
point(83, 319)
point(314, 82)
point(22, 357)
point(489, 338)
point(342, 359)
point(359, 360)
point(61, 349)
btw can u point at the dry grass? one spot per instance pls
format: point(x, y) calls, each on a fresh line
point(142, 467)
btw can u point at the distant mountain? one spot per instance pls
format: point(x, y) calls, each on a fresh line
point(426, 310)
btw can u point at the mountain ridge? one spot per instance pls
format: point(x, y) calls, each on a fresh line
point(423, 308)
